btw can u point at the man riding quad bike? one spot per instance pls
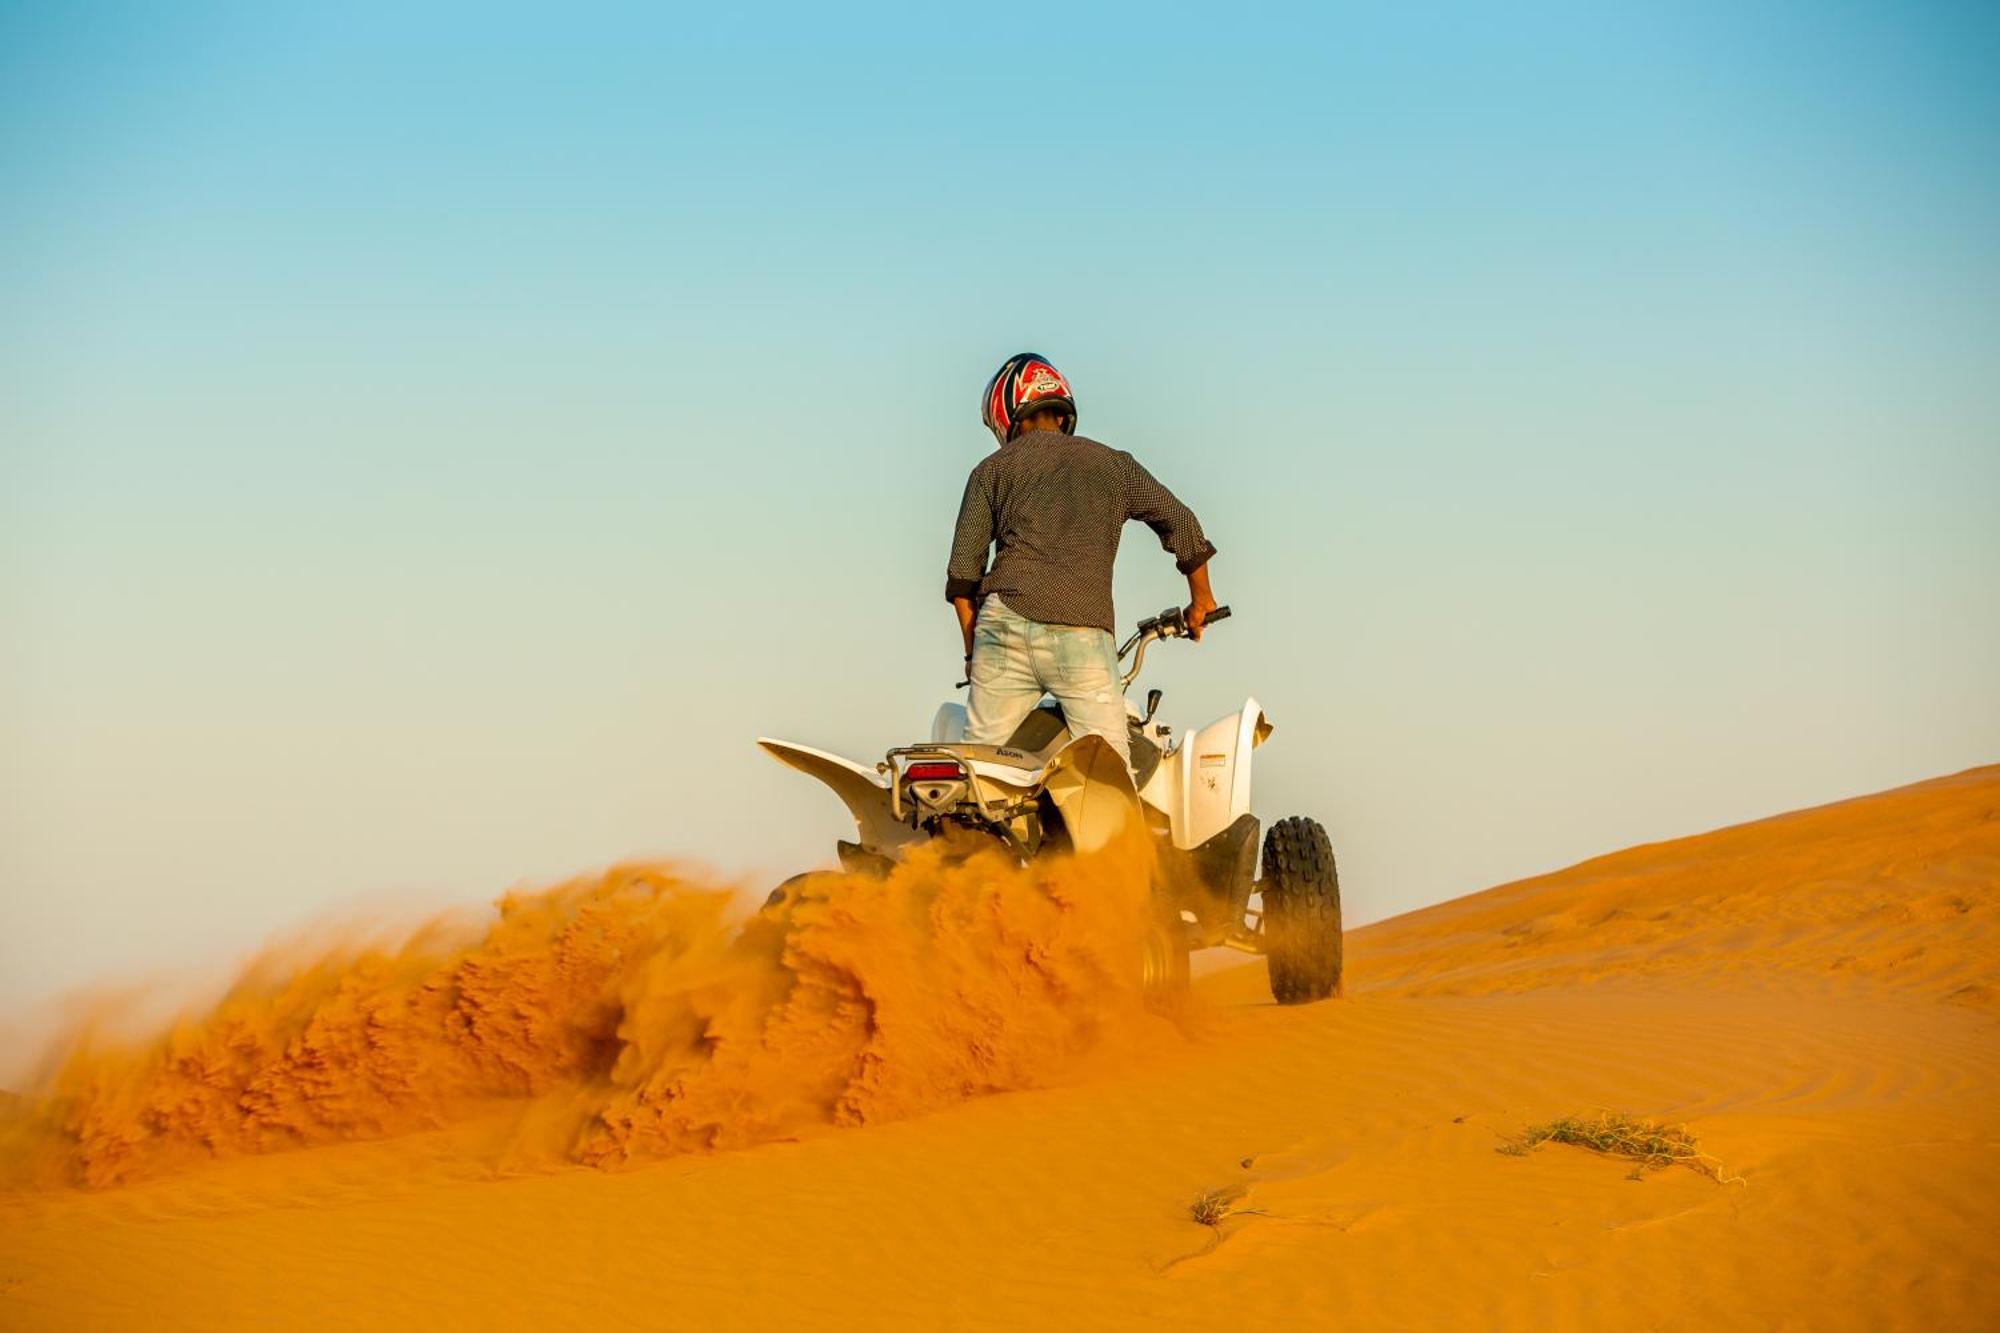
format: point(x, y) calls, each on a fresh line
point(1043, 792)
point(1049, 753)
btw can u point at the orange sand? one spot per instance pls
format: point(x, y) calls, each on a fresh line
point(1817, 996)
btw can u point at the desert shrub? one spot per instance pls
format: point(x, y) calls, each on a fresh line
point(1650, 1145)
point(1212, 1206)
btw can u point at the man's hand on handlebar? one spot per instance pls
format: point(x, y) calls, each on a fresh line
point(1172, 623)
point(1196, 615)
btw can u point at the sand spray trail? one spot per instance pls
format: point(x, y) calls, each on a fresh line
point(643, 1012)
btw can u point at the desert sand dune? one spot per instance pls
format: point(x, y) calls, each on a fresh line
point(1812, 995)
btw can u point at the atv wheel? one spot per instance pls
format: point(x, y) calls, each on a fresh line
point(1163, 966)
point(1302, 944)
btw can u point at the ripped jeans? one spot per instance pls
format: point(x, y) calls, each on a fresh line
point(1014, 660)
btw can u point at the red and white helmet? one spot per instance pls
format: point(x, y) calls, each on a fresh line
point(1026, 384)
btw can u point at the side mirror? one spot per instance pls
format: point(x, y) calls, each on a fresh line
point(1153, 698)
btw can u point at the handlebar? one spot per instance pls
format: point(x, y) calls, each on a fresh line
point(1169, 624)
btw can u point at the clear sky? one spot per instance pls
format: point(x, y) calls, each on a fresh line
point(434, 444)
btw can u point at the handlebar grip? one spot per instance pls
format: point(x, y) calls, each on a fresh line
point(1219, 613)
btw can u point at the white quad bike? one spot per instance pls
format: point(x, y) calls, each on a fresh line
point(1043, 792)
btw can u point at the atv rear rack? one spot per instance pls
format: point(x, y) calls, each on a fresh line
point(892, 769)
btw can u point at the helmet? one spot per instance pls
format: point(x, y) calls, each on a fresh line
point(1025, 384)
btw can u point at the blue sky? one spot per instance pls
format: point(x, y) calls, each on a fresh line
point(433, 445)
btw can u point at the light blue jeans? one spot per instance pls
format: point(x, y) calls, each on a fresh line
point(1015, 660)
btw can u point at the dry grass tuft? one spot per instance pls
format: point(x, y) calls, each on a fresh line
point(1212, 1206)
point(1651, 1145)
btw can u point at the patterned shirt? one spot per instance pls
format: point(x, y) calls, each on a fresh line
point(1054, 504)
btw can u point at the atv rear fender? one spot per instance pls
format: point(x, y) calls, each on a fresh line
point(863, 791)
point(1092, 790)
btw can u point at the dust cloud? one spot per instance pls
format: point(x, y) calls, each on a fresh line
point(641, 1012)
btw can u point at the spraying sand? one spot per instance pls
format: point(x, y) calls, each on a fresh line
point(644, 1016)
point(1813, 996)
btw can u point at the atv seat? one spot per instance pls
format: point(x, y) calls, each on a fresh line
point(1013, 756)
point(1044, 731)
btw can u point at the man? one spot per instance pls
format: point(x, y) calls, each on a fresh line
point(1053, 503)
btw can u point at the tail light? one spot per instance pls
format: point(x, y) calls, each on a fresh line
point(933, 772)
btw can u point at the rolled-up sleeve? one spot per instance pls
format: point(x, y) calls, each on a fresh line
point(1154, 505)
point(969, 541)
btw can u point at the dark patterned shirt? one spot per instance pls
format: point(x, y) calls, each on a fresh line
point(1054, 505)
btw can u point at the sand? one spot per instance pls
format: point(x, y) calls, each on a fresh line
point(1816, 996)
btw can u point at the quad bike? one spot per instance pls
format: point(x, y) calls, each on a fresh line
point(1042, 792)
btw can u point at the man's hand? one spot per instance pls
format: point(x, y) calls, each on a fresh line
point(1200, 601)
point(1197, 616)
point(966, 612)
